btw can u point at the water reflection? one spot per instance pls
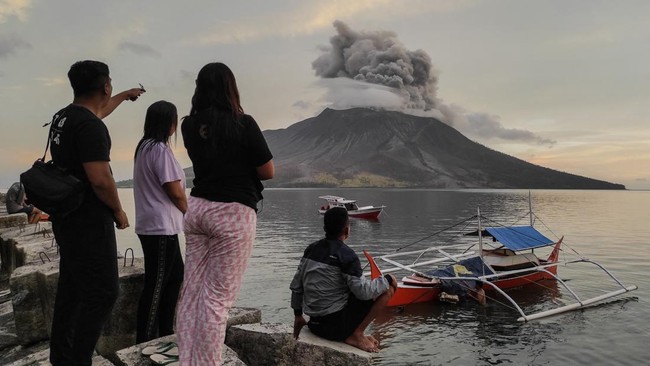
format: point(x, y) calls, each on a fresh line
point(609, 227)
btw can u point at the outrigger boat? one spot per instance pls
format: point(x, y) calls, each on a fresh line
point(512, 264)
point(365, 212)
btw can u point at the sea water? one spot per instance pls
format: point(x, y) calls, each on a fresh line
point(609, 227)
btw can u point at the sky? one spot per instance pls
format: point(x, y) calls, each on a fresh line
point(562, 84)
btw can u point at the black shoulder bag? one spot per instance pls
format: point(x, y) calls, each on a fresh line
point(52, 188)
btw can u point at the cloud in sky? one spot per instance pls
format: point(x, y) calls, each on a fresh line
point(311, 16)
point(343, 93)
point(487, 127)
point(14, 8)
point(304, 19)
point(11, 44)
point(139, 49)
point(56, 81)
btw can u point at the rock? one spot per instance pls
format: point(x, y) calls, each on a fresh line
point(273, 344)
point(132, 356)
point(32, 306)
point(120, 327)
point(13, 220)
point(34, 290)
point(7, 339)
point(237, 316)
point(20, 355)
point(41, 358)
point(262, 344)
point(8, 336)
point(314, 350)
point(25, 245)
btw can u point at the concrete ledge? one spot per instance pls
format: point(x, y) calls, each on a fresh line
point(26, 245)
point(273, 344)
point(132, 356)
point(13, 220)
point(42, 358)
point(262, 344)
point(31, 301)
point(320, 351)
point(239, 316)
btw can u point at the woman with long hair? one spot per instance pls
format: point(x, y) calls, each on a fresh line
point(230, 159)
point(160, 203)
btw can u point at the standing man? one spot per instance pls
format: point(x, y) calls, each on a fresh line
point(329, 286)
point(88, 279)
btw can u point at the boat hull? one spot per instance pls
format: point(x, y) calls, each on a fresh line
point(407, 294)
point(372, 213)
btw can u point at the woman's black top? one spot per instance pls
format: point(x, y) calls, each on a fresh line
point(225, 172)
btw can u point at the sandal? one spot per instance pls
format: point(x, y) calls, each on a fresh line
point(160, 359)
point(161, 348)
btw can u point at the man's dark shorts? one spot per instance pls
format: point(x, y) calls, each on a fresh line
point(26, 209)
point(339, 325)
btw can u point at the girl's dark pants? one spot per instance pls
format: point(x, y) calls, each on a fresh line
point(163, 276)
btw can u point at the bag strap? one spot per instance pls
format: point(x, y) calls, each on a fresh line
point(55, 118)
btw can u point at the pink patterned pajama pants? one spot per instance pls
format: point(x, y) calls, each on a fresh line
point(219, 239)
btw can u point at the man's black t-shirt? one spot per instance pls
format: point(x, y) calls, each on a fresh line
point(226, 174)
point(78, 136)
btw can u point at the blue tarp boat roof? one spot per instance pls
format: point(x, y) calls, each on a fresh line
point(519, 237)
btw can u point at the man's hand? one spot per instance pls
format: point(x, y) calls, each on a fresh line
point(298, 323)
point(393, 282)
point(121, 221)
point(392, 286)
point(133, 94)
point(117, 99)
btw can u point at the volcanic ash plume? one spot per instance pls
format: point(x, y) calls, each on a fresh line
point(380, 58)
point(374, 69)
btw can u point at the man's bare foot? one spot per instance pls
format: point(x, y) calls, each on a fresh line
point(361, 342)
point(373, 340)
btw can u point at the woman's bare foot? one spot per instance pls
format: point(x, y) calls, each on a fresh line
point(373, 340)
point(361, 342)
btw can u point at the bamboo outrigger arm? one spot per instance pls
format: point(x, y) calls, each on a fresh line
point(581, 303)
point(576, 306)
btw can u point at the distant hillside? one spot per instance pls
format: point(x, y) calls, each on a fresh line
point(189, 175)
point(363, 147)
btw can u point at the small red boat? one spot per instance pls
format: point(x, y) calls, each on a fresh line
point(365, 212)
point(510, 263)
point(422, 288)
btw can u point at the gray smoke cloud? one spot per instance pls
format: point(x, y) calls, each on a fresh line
point(380, 58)
point(375, 69)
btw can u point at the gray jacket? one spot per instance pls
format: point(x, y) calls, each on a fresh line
point(328, 272)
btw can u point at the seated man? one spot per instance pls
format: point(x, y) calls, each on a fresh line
point(329, 286)
point(15, 201)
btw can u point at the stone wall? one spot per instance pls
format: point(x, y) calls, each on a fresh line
point(31, 256)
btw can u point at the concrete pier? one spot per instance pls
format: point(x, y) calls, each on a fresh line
point(28, 279)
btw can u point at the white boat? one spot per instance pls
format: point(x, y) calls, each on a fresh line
point(365, 212)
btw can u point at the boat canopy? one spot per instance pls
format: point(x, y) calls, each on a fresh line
point(337, 199)
point(518, 238)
